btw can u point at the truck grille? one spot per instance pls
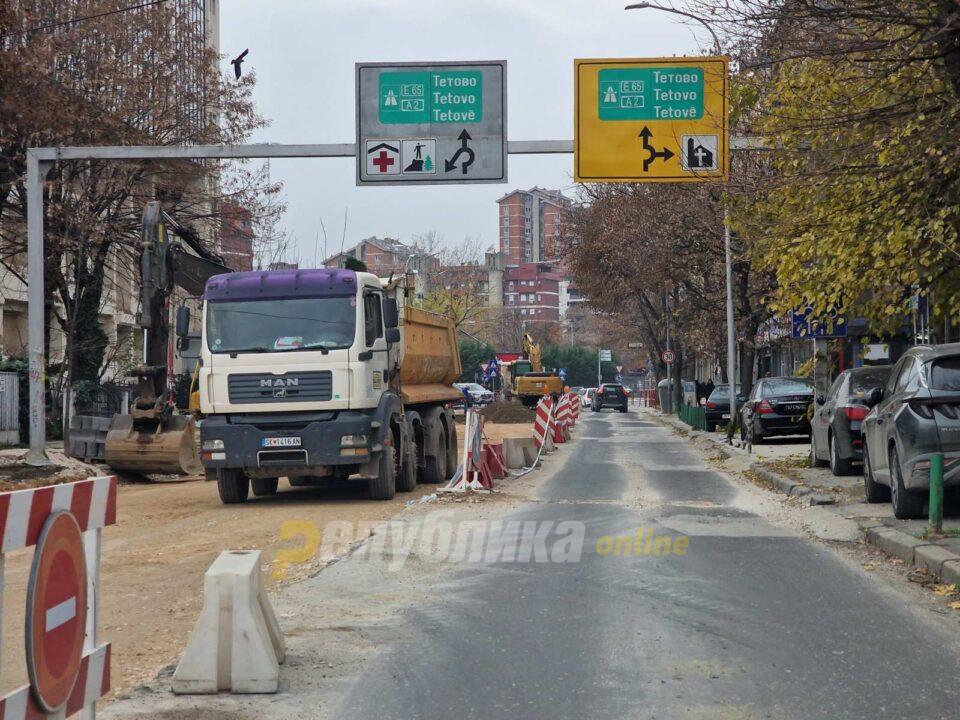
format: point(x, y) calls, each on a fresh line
point(291, 387)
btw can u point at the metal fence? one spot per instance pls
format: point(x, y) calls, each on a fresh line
point(693, 415)
point(9, 408)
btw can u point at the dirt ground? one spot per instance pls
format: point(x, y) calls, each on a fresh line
point(167, 535)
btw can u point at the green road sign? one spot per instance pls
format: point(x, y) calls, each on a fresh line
point(451, 96)
point(651, 93)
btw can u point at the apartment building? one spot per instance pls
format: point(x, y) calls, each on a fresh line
point(531, 225)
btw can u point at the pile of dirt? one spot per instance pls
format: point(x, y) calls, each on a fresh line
point(507, 412)
point(15, 474)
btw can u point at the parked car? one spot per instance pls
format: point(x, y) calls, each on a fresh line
point(777, 406)
point(579, 390)
point(835, 437)
point(586, 400)
point(479, 395)
point(718, 406)
point(915, 415)
point(610, 395)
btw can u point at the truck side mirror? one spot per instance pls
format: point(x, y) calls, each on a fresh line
point(183, 321)
point(393, 335)
point(391, 315)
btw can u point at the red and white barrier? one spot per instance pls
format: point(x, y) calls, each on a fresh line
point(66, 677)
point(542, 430)
point(565, 411)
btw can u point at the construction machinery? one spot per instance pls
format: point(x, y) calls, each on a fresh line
point(153, 437)
point(321, 376)
point(526, 380)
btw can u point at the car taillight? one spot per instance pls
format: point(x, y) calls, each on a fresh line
point(923, 409)
point(855, 412)
point(764, 408)
point(711, 405)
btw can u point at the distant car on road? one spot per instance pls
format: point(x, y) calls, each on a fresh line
point(915, 415)
point(718, 406)
point(777, 406)
point(586, 400)
point(835, 437)
point(610, 395)
point(479, 395)
point(578, 389)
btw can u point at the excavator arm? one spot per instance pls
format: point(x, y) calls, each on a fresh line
point(532, 352)
point(152, 438)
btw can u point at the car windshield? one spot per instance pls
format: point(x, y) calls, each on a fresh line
point(862, 382)
point(945, 374)
point(281, 325)
point(775, 387)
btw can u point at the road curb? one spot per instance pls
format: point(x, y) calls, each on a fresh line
point(941, 562)
point(790, 488)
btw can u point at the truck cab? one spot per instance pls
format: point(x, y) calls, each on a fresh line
point(301, 377)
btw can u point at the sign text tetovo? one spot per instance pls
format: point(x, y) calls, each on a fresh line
point(651, 120)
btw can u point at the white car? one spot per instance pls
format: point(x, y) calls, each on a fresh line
point(479, 395)
point(586, 398)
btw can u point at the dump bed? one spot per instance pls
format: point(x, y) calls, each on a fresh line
point(431, 358)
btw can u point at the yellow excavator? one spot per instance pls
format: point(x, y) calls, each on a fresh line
point(154, 437)
point(527, 381)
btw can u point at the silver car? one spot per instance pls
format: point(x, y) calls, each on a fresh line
point(914, 415)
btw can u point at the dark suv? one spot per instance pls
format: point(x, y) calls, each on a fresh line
point(610, 395)
point(915, 415)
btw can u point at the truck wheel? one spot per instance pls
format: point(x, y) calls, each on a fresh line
point(233, 485)
point(384, 485)
point(264, 486)
point(452, 460)
point(435, 466)
point(406, 470)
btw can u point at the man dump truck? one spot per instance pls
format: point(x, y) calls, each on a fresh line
point(525, 378)
point(324, 374)
point(152, 437)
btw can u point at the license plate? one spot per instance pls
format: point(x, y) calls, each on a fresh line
point(725, 416)
point(280, 442)
point(796, 408)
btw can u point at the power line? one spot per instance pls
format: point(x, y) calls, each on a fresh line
point(50, 26)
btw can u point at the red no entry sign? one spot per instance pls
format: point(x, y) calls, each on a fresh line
point(56, 611)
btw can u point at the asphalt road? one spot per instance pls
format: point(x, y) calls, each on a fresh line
point(754, 621)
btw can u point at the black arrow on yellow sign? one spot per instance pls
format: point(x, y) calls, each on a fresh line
point(666, 153)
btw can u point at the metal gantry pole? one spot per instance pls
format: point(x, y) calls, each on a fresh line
point(731, 329)
point(37, 170)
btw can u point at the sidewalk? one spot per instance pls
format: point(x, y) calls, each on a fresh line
point(783, 464)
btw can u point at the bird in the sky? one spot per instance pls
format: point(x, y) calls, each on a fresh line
point(238, 61)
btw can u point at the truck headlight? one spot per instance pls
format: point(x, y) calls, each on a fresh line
point(213, 445)
point(353, 441)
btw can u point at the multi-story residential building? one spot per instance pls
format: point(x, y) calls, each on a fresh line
point(381, 256)
point(531, 224)
point(120, 297)
point(534, 289)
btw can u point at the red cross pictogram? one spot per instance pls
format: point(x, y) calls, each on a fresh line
point(383, 161)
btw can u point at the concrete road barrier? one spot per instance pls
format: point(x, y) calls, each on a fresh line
point(236, 644)
point(519, 452)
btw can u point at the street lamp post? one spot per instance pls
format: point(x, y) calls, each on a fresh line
point(731, 331)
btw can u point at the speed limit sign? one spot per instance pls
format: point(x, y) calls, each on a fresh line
point(668, 356)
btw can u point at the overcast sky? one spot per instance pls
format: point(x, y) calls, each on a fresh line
point(304, 52)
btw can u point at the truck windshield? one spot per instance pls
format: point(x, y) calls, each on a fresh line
point(281, 325)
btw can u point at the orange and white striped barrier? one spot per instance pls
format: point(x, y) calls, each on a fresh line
point(68, 671)
point(474, 473)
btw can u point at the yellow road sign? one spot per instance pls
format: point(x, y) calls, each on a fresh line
point(651, 120)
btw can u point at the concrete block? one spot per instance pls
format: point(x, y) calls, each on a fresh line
point(895, 543)
point(932, 557)
point(236, 644)
point(519, 452)
point(950, 571)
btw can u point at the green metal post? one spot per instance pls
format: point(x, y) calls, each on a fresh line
point(936, 492)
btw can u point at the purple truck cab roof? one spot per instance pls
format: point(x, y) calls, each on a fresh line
point(281, 284)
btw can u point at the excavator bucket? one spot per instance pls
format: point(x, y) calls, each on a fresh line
point(167, 449)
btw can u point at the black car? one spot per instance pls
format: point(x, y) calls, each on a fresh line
point(777, 406)
point(718, 406)
point(611, 395)
point(914, 416)
point(835, 429)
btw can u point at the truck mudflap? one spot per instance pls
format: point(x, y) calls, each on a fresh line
point(286, 444)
